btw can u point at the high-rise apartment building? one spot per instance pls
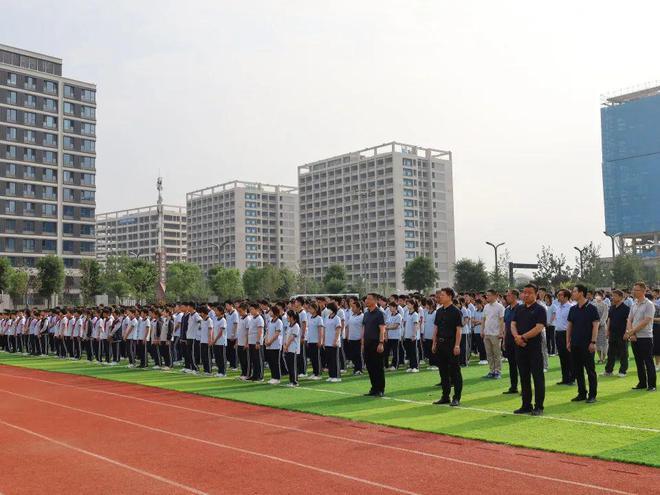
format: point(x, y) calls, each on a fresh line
point(134, 233)
point(374, 210)
point(243, 224)
point(47, 160)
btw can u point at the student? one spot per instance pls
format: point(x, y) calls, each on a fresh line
point(64, 333)
point(130, 337)
point(477, 337)
point(492, 333)
point(166, 337)
point(303, 317)
point(354, 340)
point(393, 324)
point(428, 322)
point(154, 337)
point(144, 331)
point(292, 346)
point(108, 322)
point(273, 343)
point(411, 335)
point(218, 341)
point(232, 327)
point(206, 327)
point(255, 341)
point(242, 349)
point(315, 338)
point(332, 342)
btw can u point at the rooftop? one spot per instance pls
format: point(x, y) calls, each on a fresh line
point(630, 94)
point(237, 184)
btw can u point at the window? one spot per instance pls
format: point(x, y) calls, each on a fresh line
point(49, 175)
point(68, 177)
point(86, 213)
point(49, 210)
point(87, 230)
point(29, 137)
point(68, 143)
point(87, 112)
point(68, 194)
point(10, 245)
point(67, 211)
point(88, 95)
point(11, 79)
point(50, 105)
point(67, 246)
point(50, 193)
point(50, 139)
point(88, 146)
point(87, 196)
point(50, 157)
point(68, 91)
point(10, 152)
point(10, 189)
point(50, 87)
point(29, 155)
point(69, 263)
point(11, 97)
point(10, 225)
point(50, 122)
point(28, 209)
point(88, 162)
point(68, 108)
point(28, 190)
point(30, 83)
point(11, 170)
point(11, 134)
point(28, 245)
point(28, 226)
point(88, 179)
point(68, 125)
point(88, 129)
point(86, 247)
point(11, 115)
point(67, 228)
point(29, 118)
point(68, 160)
point(48, 227)
point(31, 101)
point(48, 245)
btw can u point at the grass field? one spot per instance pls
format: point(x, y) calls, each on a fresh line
point(624, 425)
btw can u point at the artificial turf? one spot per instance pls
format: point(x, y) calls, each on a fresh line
point(624, 425)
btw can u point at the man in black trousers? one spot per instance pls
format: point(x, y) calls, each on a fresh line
point(509, 343)
point(528, 322)
point(446, 347)
point(373, 346)
point(617, 347)
point(561, 324)
point(581, 334)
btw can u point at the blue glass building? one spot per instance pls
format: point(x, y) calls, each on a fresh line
point(630, 125)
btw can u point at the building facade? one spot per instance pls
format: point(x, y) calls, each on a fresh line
point(47, 160)
point(630, 125)
point(243, 224)
point(374, 210)
point(134, 233)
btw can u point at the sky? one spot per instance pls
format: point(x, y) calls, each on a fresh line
point(205, 92)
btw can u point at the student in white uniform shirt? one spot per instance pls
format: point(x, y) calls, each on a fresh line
point(429, 312)
point(65, 333)
point(144, 330)
point(273, 343)
point(255, 342)
point(218, 342)
point(104, 348)
point(130, 336)
point(341, 314)
point(411, 335)
point(153, 342)
point(303, 318)
point(354, 335)
point(292, 346)
point(114, 339)
point(332, 342)
point(315, 339)
point(393, 325)
point(242, 348)
point(232, 317)
point(206, 328)
point(99, 326)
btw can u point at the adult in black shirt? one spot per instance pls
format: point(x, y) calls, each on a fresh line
point(581, 333)
point(528, 322)
point(617, 348)
point(373, 345)
point(447, 346)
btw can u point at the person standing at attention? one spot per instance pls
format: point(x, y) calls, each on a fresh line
point(493, 333)
point(581, 334)
point(561, 324)
point(527, 326)
point(617, 348)
point(448, 327)
point(640, 332)
point(373, 346)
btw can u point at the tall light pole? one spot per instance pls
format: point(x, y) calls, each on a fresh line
point(581, 261)
point(495, 247)
point(219, 247)
point(136, 254)
point(612, 237)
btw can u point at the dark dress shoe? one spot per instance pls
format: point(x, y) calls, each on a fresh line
point(510, 391)
point(523, 410)
point(455, 403)
point(591, 400)
point(578, 398)
point(444, 400)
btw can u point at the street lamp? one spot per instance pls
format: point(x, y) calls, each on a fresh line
point(137, 255)
point(612, 237)
point(581, 262)
point(495, 247)
point(219, 247)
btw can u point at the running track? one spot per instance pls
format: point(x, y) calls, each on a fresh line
point(70, 434)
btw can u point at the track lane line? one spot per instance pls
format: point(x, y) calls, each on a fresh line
point(300, 430)
point(104, 459)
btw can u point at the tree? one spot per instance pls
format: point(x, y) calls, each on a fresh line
point(334, 280)
point(113, 279)
point(470, 275)
point(5, 271)
point(142, 276)
point(500, 280)
point(18, 286)
point(651, 274)
point(420, 274)
point(552, 268)
point(594, 272)
point(288, 284)
point(252, 282)
point(307, 285)
point(627, 270)
point(185, 282)
point(51, 276)
point(90, 280)
point(226, 283)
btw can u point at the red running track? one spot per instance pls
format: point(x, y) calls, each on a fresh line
point(70, 434)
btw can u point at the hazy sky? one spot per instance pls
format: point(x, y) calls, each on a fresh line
point(209, 91)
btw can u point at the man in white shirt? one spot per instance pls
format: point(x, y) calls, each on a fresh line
point(640, 333)
point(493, 333)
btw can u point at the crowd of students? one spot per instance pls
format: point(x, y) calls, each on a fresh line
point(325, 336)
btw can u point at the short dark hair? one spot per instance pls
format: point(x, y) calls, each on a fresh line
point(618, 292)
point(449, 291)
point(532, 286)
point(492, 291)
point(581, 288)
point(565, 292)
point(515, 292)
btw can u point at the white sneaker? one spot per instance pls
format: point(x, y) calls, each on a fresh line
point(273, 381)
point(194, 372)
point(483, 362)
point(292, 385)
point(302, 375)
point(391, 368)
point(219, 375)
point(242, 377)
point(433, 368)
point(409, 370)
point(414, 370)
point(128, 366)
point(155, 367)
point(329, 379)
point(622, 375)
